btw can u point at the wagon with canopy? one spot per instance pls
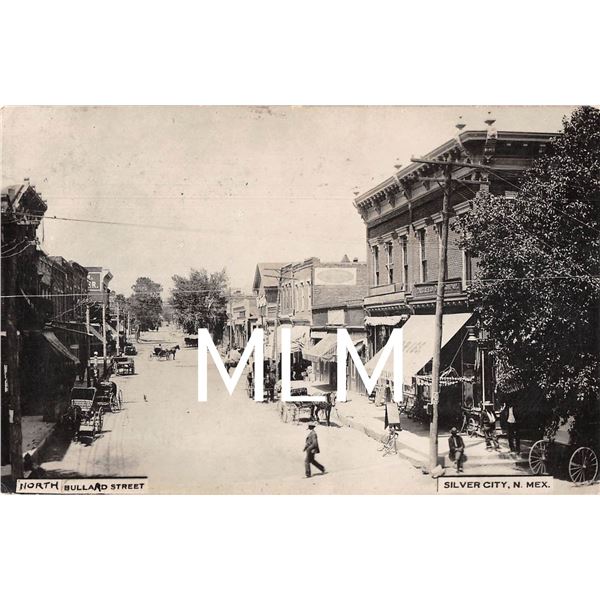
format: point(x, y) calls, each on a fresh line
point(293, 411)
point(85, 416)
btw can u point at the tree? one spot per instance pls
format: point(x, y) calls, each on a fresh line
point(538, 255)
point(199, 301)
point(146, 304)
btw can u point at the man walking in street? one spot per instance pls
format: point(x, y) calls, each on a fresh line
point(457, 449)
point(311, 447)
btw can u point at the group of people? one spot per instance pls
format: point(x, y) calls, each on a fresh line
point(509, 419)
point(269, 382)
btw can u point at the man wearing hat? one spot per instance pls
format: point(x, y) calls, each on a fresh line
point(311, 447)
point(457, 449)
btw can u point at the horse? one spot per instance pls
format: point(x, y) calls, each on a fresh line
point(170, 352)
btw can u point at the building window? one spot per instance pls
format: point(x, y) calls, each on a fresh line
point(467, 269)
point(375, 265)
point(404, 243)
point(389, 251)
point(423, 254)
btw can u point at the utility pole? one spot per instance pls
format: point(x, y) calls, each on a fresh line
point(277, 309)
point(104, 331)
point(118, 327)
point(446, 184)
point(14, 385)
point(439, 309)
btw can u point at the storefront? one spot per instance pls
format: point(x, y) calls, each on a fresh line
point(300, 335)
point(458, 367)
point(323, 358)
point(49, 370)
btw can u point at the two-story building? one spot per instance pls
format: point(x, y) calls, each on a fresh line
point(242, 318)
point(339, 292)
point(99, 279)
point(402, 216)
point(42, 290)
point(310, 289)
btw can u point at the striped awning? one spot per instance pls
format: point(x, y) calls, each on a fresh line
point(325, 349)
point(418, 333)
point(59, 348)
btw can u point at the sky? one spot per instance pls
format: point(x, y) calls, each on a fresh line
point(220, 187)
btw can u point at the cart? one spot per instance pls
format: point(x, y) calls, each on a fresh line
point(109, 397)
point(130, 349)
point(125, 365)
point(85, 417)
point(294, 410)
point(191, 341)
point(572, 450)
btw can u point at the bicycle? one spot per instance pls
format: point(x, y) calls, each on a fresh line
point(390, 445)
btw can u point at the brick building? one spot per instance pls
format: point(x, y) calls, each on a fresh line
point(41, 295)
point(339, 291)
point(402, 216)
point(98, 281)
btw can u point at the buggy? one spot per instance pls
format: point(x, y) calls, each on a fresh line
point(124, 365)
point(572, 450)
point(84, 417)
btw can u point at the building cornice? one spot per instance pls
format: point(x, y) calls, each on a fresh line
point(403, 181)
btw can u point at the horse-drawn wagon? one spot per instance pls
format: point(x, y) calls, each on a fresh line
point(160, 353)
point(124, 365)
point(571, 449)
point(109, 397)
point(191, 341)
point(85, 416)
point(294, 410)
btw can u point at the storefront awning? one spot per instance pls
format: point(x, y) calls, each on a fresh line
point(390, 321)
point(58, 347)
point(418, 344)
point(325, 349)
point(299, 338)
point(95, 334)
point(112, 330)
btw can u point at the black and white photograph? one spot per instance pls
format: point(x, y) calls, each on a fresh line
point(307, 300)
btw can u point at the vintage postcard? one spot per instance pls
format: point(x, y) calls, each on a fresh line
point(300, 300)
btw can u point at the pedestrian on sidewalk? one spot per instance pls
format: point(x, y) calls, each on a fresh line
point(509, 414)
point(457, 449)
point(311, 447)
point(331, 398)
point(270, 383)
point(488, 420)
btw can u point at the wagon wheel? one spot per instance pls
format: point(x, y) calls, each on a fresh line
point(583, 465)
point(538, 457)
point(120, 398)
point(100, 420)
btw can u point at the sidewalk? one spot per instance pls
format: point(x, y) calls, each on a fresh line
point(36, 434)
point(413, 440)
